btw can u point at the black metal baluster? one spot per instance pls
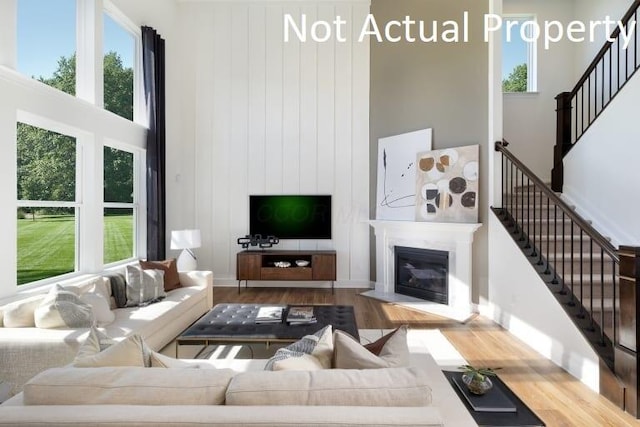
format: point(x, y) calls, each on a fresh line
point(602, 293)
point(564, 256)
point(610, 74)
point(504, 185)
point(572, 302)
point(591, 280)
point(540, 262)
point(589, 100)
point(528, 245)
point(521, 238)
point(555, 244)
point(512, 194)
point(534, 253)
point(547, 271)
point(581, 315)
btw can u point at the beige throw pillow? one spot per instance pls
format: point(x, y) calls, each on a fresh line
point(350, 354)
point(98, 350)
point(62, 308)
point(100, 306)
point(311, 352)
point(20, 314)
point(159, 360)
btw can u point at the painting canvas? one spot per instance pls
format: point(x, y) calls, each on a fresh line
point(447, 185)
point(396, 189)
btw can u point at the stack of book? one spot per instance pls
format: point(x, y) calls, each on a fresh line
point(301, 316)
point(270, 314)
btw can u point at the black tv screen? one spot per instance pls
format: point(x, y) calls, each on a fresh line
point(290, 217)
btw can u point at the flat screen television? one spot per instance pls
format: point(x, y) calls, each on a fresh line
point(290, 216)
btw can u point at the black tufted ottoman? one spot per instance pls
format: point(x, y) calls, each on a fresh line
point(236, 323)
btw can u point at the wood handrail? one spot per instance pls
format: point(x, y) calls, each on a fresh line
point(607, 45)
point(594, 234)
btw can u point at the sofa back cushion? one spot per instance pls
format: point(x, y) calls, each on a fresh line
point(20, 314)
point(128, 386)
point(332, 387)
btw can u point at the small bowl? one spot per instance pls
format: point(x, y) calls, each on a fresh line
point(302, 263)
point(282, 264)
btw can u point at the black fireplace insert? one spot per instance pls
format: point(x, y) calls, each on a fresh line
point(422, 273)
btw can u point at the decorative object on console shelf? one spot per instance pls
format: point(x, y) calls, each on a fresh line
point(258, 240)
point(302, 263)
point(186, 240)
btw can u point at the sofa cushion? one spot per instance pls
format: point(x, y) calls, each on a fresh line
point(339, 387)
point(62, 308)
point(128, 352)
point(20, 314)
point(144, 286)
point(170, 268)
point(128, 386)
point(350, 354)
point(311, 352)
point(100, 306)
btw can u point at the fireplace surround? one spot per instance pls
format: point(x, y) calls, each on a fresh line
point(454, 238)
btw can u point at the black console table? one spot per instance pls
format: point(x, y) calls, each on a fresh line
point(523, 416)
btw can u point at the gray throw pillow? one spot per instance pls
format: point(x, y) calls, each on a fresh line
point(311, 352)
point(62, 308)
point(144, 286)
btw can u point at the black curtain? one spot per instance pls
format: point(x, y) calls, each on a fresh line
point(153, 59)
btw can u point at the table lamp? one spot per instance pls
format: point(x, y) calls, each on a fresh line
point(186, 240)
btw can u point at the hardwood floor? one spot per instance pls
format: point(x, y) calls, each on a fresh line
point(556, 397)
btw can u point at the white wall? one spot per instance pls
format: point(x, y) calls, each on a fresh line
point(269, 117)
point(597, 10)
point(523, 305)
point(530, 118)
point(601, 172)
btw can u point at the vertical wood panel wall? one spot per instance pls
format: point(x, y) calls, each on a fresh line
point(279, 118)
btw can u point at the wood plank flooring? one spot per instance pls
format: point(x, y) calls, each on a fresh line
point(556, 397)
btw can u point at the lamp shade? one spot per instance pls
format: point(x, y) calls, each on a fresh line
point(185, 239)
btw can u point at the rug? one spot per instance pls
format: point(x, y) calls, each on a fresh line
point(432, 341)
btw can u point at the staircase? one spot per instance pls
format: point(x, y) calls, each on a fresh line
point(574, 266)
point(597, 284)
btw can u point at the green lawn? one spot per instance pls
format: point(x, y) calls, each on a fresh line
point(46, 246)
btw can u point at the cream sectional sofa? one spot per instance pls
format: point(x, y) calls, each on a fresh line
point(24, 352)
point(197, 397)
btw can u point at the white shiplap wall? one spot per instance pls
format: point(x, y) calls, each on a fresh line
point(271, 117)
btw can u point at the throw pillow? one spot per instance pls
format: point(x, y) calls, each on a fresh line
point(170, 268)
point(391, 351)
point(62, 308)
point(20, 314)
point(144, 286)
point(159, 360)
point(312, 352)
point(100, 306)
point(128, 352)
point(118, 286)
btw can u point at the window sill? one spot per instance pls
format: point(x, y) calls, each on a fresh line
point(521, 94)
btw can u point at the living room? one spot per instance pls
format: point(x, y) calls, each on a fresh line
point(248, 113)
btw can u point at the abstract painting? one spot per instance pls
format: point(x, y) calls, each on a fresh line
point(447, 185)
point(396, 189)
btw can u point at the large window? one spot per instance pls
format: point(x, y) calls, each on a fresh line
point(120, 208)
point(47, 208)
point(518, 54)
point(119, 55)
point(47, 42)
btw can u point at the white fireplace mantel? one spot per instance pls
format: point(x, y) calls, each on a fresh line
point(455, 238)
